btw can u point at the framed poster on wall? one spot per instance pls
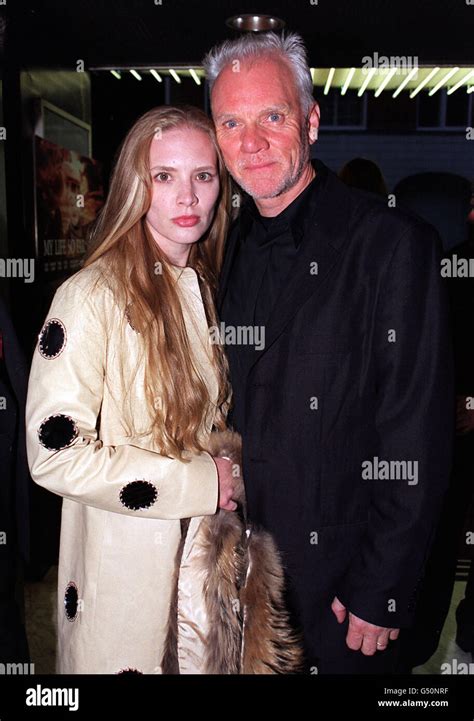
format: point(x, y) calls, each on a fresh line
point(68, 196)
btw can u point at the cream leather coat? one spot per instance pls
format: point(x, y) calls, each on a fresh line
point(123, 501)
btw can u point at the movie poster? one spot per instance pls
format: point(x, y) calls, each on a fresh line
point(69, 195)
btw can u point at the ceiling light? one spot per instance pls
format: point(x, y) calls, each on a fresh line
point(329, 80)
point(452, 72)
point(195, 76)
point(364, 85)
point(255, 23)
point(348, 80)
point(423, 82)
point(385, 81)
point(156, 75)
point(404, 82)
point(136, 75)
point(461, 82)
point(175, 75)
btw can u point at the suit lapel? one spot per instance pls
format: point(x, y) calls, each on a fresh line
point(236, 234)
point(324, 238)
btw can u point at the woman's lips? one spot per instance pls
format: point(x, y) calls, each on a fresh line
point(186, 221)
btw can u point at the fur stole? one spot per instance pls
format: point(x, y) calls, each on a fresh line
point(249, 630)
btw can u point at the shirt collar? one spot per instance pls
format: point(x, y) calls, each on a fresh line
point(293, 217)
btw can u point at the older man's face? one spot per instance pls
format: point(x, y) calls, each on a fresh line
point(260, 126)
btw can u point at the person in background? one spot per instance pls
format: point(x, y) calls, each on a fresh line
point(363, 174)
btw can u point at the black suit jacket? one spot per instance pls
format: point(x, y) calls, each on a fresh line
point(334, 387)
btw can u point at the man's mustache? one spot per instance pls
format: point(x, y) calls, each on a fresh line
point(244, 164)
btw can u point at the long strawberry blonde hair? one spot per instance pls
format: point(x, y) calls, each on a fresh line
point(130, 256)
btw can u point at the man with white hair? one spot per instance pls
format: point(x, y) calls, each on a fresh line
point(354, 373)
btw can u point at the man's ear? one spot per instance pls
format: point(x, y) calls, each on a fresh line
point(313, 123)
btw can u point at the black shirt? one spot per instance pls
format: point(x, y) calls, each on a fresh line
point(267, 250)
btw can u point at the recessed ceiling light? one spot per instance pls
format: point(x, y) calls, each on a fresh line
point(156, 75)
point(347, 81)
point(449, 75)
point(425, 80)
point(195, 76)
point(329, 80)
point(385, 81)
point(255, 23)
point(404, 82)
point(175, 75)
point(461, 82)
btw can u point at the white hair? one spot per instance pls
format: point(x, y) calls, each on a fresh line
point(288, 46)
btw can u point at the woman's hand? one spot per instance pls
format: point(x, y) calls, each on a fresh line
point(226, 483)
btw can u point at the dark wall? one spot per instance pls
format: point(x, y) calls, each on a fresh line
point(117, 104)
point(3, 196)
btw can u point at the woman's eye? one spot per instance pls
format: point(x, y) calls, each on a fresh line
point(274, 117)
point(162, 177)
point(204, 176)
point(230, 124)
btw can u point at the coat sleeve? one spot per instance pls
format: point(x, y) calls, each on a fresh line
point(414, 422)
point(65, 454)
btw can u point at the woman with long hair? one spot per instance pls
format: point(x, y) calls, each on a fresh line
point(125, 388)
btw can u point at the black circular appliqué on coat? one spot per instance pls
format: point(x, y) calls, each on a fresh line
point(52, 339)
point(71, 598)
point(138, 494)
point(57, 432)
point(130, 670)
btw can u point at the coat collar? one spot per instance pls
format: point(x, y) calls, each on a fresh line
point(324, 238)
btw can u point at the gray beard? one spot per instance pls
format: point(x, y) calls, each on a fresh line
point(290, 180)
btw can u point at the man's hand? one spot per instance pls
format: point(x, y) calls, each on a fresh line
point(226, 484)
point(361, 634)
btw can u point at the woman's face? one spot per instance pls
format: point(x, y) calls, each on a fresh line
point(185, 187)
